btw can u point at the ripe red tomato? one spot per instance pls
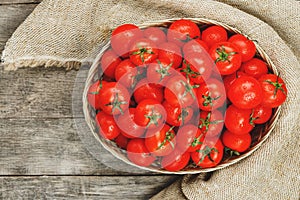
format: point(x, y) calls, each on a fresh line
point(226, 57)
point(143, 51)
point(146, 90)
point(172, 52)
point(195, 46)
point(211, 123)
point(238, 121)
point(160, 71)
point(211, 95)
point(155, 34)
point(176, 115)
point(274, 90)
point(138, 153)
point(93, 94)
point(239, 143)
point(127, 125)
point(245, 46)
point(150, 114)
point(122, 141)
point(109, 62)
point(254, 67)
point(175, 161)
point(245, 92)
point(107, 126)
point(123, 36)
point(229, 79)
point(182, 31)
point(261, 114)
point(213, 35)
point(189, 138)
point(161, 142)
point(210, 153)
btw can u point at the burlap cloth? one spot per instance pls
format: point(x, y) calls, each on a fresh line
point(66, 33)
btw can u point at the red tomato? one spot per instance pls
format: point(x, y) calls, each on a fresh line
point(239, 143)
point(189, 138)
point(211, 95)
point(176, 115)
point(143, 51)
point(93, 94)
point(161, 142)
point(245, 92)
point(160, 71)
point(197, 67)
point(213, 35)
point(146, 90)
point(226, 57)
point(210, 153)
point(261, 114)
point(195, 46)
point(122, 141)
point(274, 90)
point(155, 34)
point(122, 37)
point(238, 121)
point(127, 125)
point(107, 126)
point(254, 67)
point(175, 161)
point(229, 79)
point(138, 153)
point(172, 52)
point(150, 114)
point(114, 98)
point(246, 47)
point(109, 62)
point(182, 31)
point(211, 123)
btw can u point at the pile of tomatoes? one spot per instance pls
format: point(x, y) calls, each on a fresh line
point(182, 95)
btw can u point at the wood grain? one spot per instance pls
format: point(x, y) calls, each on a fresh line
point(83, 187)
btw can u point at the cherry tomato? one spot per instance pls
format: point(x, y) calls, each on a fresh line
point(160, 71)
point(238, 121)
point(189, 138)
point(213, 35)
point(239, 143)
point(127, 125)
point(226, 57)
point(93, 95)
point(123, 36)
point(245, 46)
point(107, 126)
point(143, 51)
point(172, 52)
point(261, 114)
point(229, 79)
point(195, 46)
point(210, 153)
point(109, 62)
point(245, 92)
point(155, 34)
point(182, 31)
point(211, 123)
point(146, 90)
point(254, 67)
point(161, 142)
point(138, 153)
point(274, 90)
point(175, 161)
point(121, 141)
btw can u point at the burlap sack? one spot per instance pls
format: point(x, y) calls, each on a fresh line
point(67, 33)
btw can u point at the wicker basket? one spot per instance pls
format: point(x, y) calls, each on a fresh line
point(259, 134)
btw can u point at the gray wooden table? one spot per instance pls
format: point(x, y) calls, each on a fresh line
point(41, 155)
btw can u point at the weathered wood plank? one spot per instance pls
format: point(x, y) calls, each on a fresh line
point(85, 187)
point(9, 2)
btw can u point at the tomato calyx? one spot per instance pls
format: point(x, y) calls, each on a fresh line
point(116, 104)
point(153, 118)
point(223, 55)
point(277, 85)
point(189, 72)
point(206, 122)
point(163, 71)
point(189, 89)
point(141, 51)
point(206, 152)
point(252, 119)
point(98, 88)
point(168, 138)
point(231, 152)
point(196, 141)
point(208, 99)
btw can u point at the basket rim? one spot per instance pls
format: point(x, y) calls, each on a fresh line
point(93, 71)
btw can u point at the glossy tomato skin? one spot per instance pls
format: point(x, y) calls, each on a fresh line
point(146, 90)
point(175, 161)
point(238, 121)
point(211, 123)
point(109, 61)
point(122, 141)
point(108, 128)
point(160, 71)
point(261, 114)
point(254, 67)
point(161, 142)
point(245, 92)
point(274, 90)
point(210, 153)
point(195, 46)
point(126, 73)
point(138, 153)
point(245, 46)
point(127, 125)
point(189, 138)
point(93, 95)
point(211, 95)
point(229, 79)
point(172, 52)
point(176, 115)
point(213, 35)
point(239, 143)
point(155, 34)
point(182, 31)
point(123, 36)
point(226, 57)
